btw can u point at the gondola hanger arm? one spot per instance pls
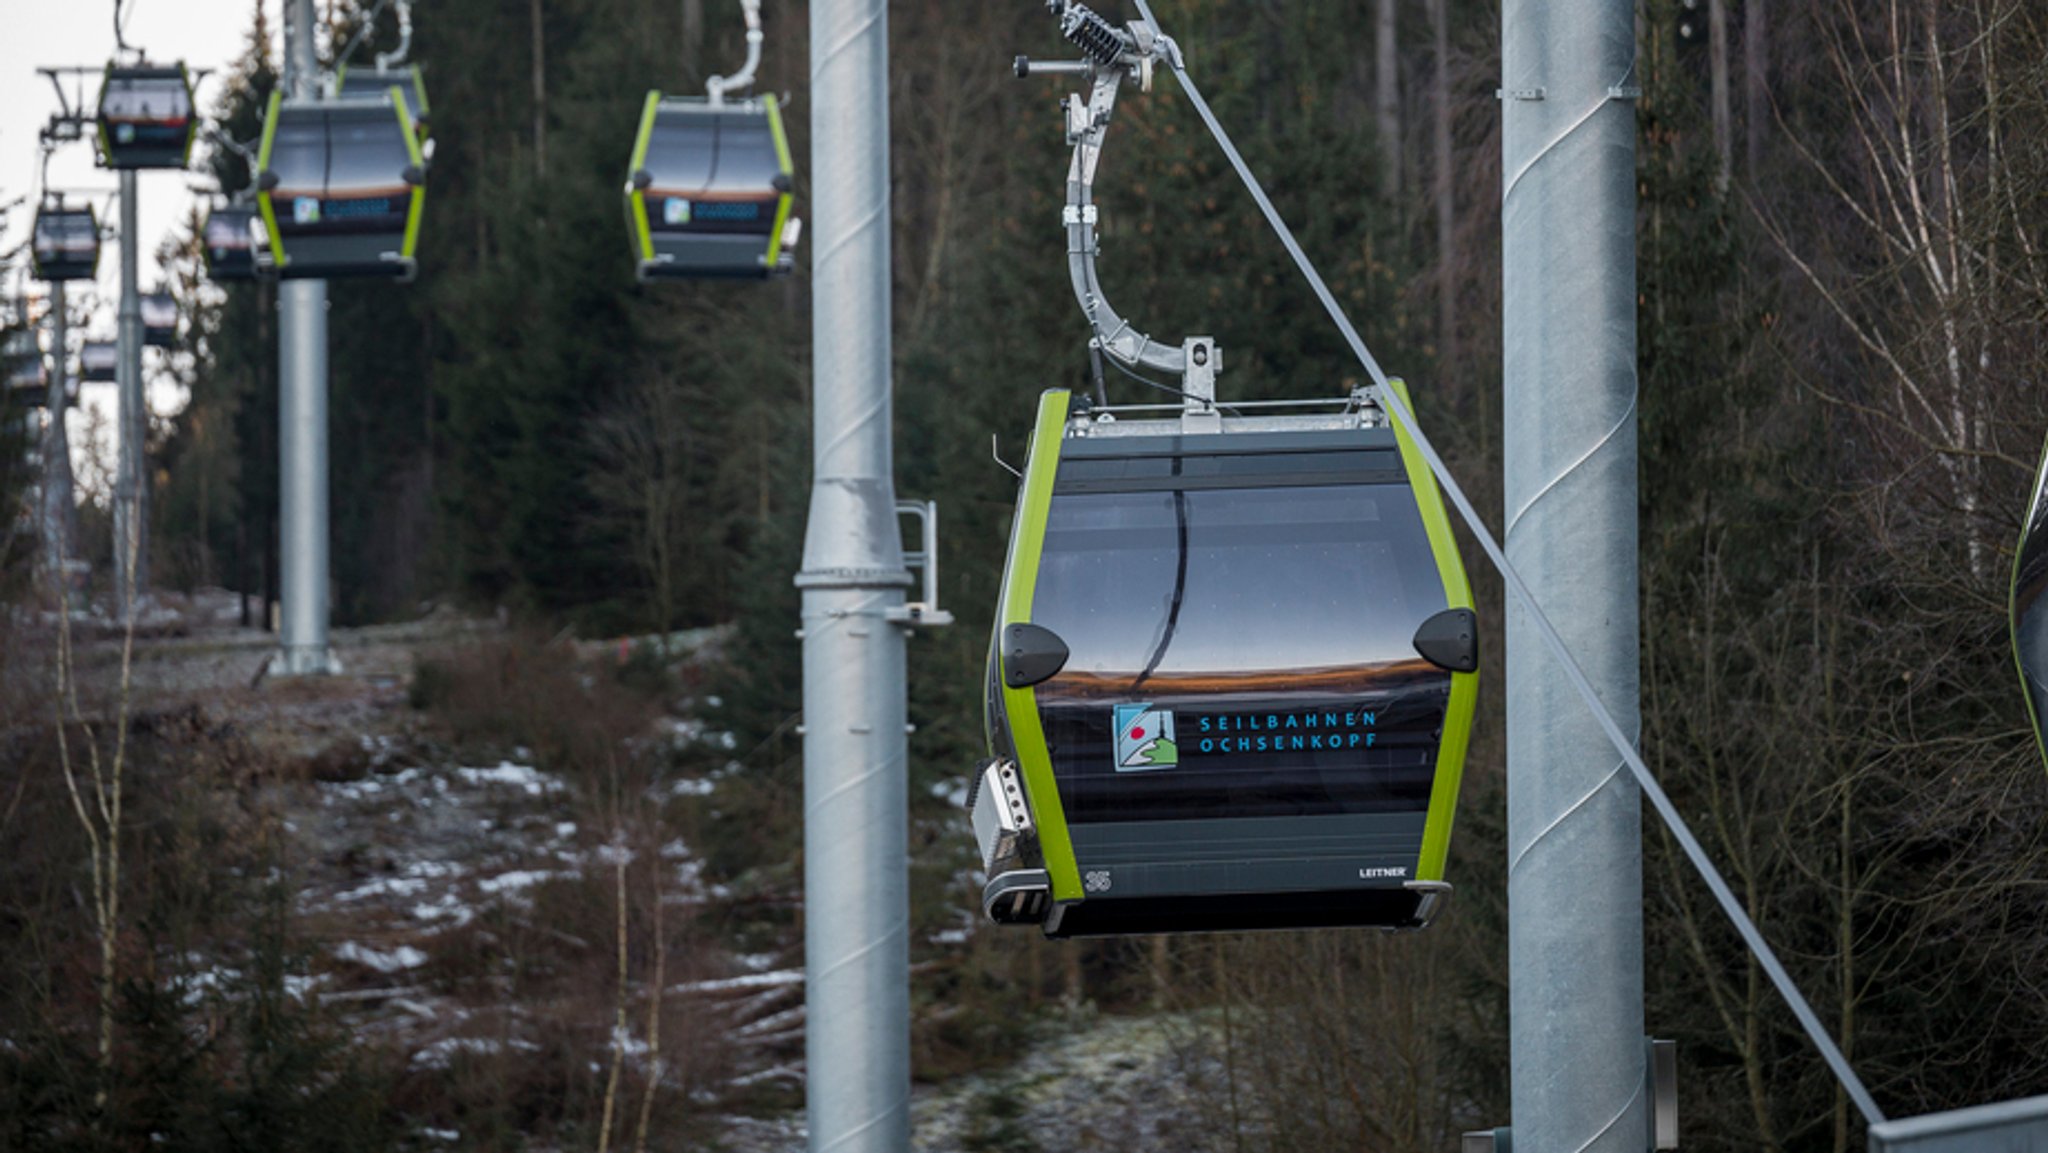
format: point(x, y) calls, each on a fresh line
point(397, 55)
point(1112, 55)
point(716, 87)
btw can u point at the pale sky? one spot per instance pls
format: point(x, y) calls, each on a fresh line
point(44, 33)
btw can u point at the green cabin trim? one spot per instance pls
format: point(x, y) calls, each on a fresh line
point(419, 191)
point(1020, 706)
point(99, 122)
point(1458, 711)
point(263, 200)
point(782, 203)
point(636, 198)
point(191, 125)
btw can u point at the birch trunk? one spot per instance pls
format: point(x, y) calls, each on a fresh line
point(1756, 80)
point(1446, 200)
point(1387, 98)
point(1717, 48)
point(540, 90)
point(693, 40)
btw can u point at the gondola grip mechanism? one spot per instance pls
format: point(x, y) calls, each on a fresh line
point(716, 87)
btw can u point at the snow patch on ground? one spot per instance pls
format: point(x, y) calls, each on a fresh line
point(523, 777)
point(952, 790)
point(393, 961)
point(518, 879)
point(438, 1054)
point(746, 981)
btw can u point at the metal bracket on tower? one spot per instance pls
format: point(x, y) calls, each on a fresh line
point(924, 613)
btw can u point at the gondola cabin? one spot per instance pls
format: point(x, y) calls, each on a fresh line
point(99, 362)
point(231, 239)
point(145, 117)
point(708, 190)
point(159, 319)
point(65, 244)
point(340, 185)
point(354, 83)
point(28, 376)
point(1232, 678)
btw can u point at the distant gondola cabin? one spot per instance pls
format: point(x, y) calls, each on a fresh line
point(231, 240)
point(159, 319)
point(145, 117)
point(28, 376)
point(708, 190)
point(99, 362)
point(340, 185)
point(65, 244)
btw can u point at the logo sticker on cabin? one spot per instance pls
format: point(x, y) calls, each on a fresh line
point(1144, 738)
point(675, 210)
point(305, 210)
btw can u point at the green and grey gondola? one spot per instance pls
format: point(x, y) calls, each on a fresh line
point(64, 244)
point(231, 241)
point(99, 361)
point(340, 186)
point(1232, 679)
point(27, 374)
point(145, 117)
point(708, 190)
point(159, 319)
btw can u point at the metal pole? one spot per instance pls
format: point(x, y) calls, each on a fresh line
point(131, 502)
point(302, 425)
point(57, 450)
point(1575, 931)
point(856, 789)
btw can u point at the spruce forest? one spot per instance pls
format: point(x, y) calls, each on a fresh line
point(1842, 294)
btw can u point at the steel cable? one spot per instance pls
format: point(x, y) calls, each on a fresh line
point(1694, 851)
